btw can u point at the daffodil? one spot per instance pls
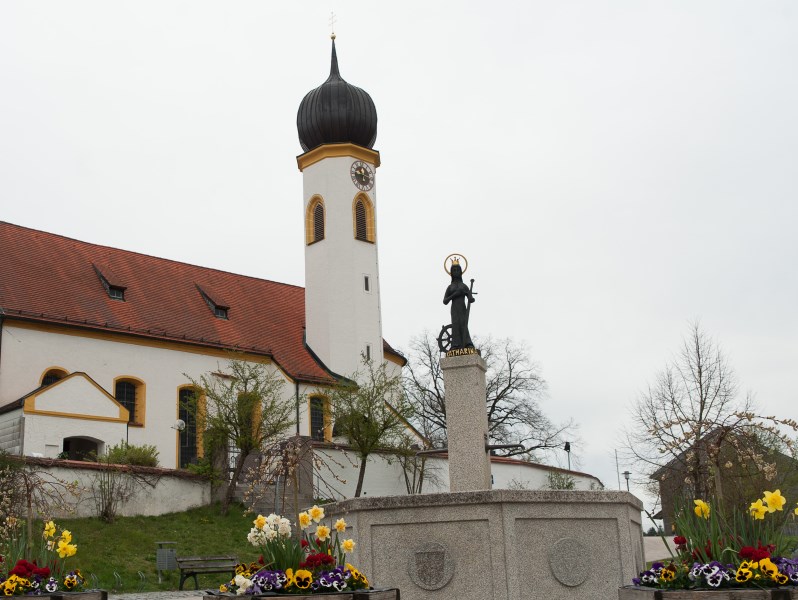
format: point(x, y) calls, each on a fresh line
point(316, 513)
point(304, 520)
point(758, 510)
point(49, 529)
point(796, 511)
point(701, 509)
point(323, 532)
point(774, 500)
point(260, 522)
point(340, 525)
point(348, 545)
point(65, 549)
point(66, 536)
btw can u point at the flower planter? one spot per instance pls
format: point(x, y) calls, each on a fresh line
point(87, 595)
point(384, 594)
point(646, 593)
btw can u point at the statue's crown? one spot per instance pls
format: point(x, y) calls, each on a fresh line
point(456, 261)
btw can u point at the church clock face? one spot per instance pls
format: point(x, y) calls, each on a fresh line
point(362, 175)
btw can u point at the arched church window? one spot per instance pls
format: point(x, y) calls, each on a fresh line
point(363, 218)
point(318, 223)
point(129, 393)
point(320, 419)
point(314, 221)
point(52, 375)
point(360, 221)
point(188, 407)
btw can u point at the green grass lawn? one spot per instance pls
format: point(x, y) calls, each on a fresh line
point(128, 545)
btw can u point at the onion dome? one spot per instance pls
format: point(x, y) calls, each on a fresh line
point(336, 112)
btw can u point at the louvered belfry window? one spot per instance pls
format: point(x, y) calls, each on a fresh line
point(360, 221)
point(318, 223)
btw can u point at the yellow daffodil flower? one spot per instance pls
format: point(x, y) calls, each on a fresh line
point(758, 510)
point(340, 526)
point(260, 522)
point(304, 520)
point(774, 500)
point(348, 546)
point(49, 529)
point(66, 536)
point(323, 532)
point(316, 513)
point(65, 549)
point(796, 511)
point(701, 509)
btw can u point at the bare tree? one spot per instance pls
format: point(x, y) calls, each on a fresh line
point(27, 483)
point(371, 412)
point(686, 424)
point(514, 389)
point(242, 407)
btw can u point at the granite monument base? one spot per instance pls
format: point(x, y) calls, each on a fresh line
point(499, 544)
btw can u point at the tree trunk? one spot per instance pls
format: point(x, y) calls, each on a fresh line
point(231, 486)
point(360, 476)
point(29, 514)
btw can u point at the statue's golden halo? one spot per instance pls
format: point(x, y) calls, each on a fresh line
point(454, 259)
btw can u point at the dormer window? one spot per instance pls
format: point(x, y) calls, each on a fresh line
point(111, 282)
point(219, 309)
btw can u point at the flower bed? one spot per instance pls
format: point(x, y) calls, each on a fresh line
point(740, 556)
point(309, 564)
point(38, 566)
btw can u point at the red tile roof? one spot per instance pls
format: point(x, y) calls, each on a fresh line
point(50, 278)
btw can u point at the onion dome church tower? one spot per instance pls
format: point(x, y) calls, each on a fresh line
point(337, 125)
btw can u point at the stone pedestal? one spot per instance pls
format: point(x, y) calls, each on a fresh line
point(466, 423)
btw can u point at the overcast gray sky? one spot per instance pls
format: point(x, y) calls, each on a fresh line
point(611, 169)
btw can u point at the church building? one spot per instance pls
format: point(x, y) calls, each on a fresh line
point(99, 345)
point(96, 343)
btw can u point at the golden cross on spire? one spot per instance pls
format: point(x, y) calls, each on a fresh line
point(332, 25)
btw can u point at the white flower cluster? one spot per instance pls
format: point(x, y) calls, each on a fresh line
point(268, 528)
point(243, 584)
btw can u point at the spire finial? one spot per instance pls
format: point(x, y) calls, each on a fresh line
point(334, 62)
point(332, 25)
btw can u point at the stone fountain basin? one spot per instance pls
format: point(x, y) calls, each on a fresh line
point(498, 544)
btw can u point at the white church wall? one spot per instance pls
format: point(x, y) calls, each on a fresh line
point(30, 351)
point(77, 395)
point(341, 316)
point(384, 475)
point(45, 434)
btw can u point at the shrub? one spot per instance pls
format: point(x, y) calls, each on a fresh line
point(130, 454)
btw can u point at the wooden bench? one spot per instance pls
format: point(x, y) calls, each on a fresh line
point(191, 566)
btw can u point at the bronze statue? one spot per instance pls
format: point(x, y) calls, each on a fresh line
point(457, 293)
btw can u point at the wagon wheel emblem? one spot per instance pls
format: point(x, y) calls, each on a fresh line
point(445, 338)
